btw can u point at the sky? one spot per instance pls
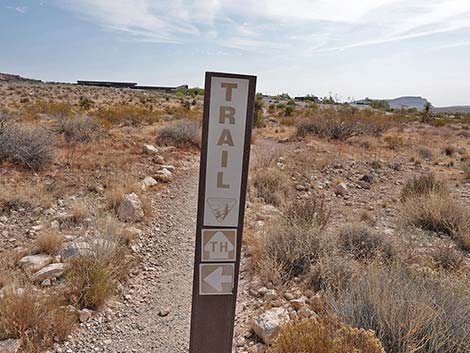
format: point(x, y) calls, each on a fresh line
point(351, 49)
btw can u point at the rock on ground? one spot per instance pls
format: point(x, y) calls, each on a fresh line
point(49, 272)
point(130, 208)
point(35, 262)
point(268, 324)
point(10, 346)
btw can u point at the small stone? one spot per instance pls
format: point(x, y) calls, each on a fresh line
point(164, 312)
point(85, 315)
point(10, 346)
point(158, 159)
point(367, 178)
point(268, 324)
point(148, 182)
point(35, 262)
point(130, 208)
point(149, 149)
point(49, 272)
point(46, 283)
point(341, 189)
point(164, 175)
point(297, 304)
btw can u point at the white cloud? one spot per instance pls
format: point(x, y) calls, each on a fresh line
point(307, 25)
point(20, 9)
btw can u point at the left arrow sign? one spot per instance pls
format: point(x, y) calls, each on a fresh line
point(216, 279)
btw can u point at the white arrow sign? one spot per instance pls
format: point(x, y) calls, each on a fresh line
point(216, 279)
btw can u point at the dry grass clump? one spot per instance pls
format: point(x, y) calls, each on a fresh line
point(440, 213)
point(309, 212)
point(95, 273)
point(325, 335)
point(78, 212)
point(362, 243)
point(33, 111)
point(126, 115)
point(425, 153)
point(20, 196)
point(410, 313)
point(29, 147)
point(49, 241)
point(182, 133)
point(449, 150)
point(38, 320)
point(272, 185)
point(466, 169)
point(447, 258)
point(79, 129)
point(342, 123)
point(422, 185)
point(286, 251)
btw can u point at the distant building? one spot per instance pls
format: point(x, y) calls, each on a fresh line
point(313, 99)
point(107, 84)
point(131, 85)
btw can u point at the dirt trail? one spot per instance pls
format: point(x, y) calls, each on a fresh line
point(153, 311)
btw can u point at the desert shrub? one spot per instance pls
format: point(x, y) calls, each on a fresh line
point(49, 241)
point(265, 156)
point(85, 103)
point(342, 123)
point(258, 118)
point(285, 251)
point(272, 185)
point(325, 335)
point(308, 213)
point(332, 271)
point(181, 133)
point(410, 312)
point(126, 115)
point(56, 110)
point(30, 147)
point(425, 153)
point(289, 110)
point(93, 276)
point(91, 281)
point(80, 129)
point(422, 185)
point(394, 142)
point(362, 243)
point(466, 169)
point(449, 150)
point(440, 213)
point(447, 258)
point(38, 320)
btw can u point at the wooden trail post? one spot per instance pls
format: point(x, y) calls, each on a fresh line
point(225, 153)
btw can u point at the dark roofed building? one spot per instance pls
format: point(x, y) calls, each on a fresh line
point(108, 84)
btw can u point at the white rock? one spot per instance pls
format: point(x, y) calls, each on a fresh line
point(10, 346)
point(48, 272)
point(267, 325)
point(148, 182)
point(35, 262)
point(130, 208)
point(164, 175)
point(149, 149)
point(158, 159)
point(341, 189)
point(85, 315)
point(267, 212)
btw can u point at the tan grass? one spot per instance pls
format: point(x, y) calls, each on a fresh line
point(49, 241)
point(325, 335)
point(38, 320)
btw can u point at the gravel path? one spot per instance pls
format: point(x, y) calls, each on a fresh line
point(153, 312)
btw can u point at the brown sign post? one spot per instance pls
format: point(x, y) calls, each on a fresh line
point(225, 153)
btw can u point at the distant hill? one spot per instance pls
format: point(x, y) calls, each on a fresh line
point(406, 102)
point(453, 109)
point(15, 78)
